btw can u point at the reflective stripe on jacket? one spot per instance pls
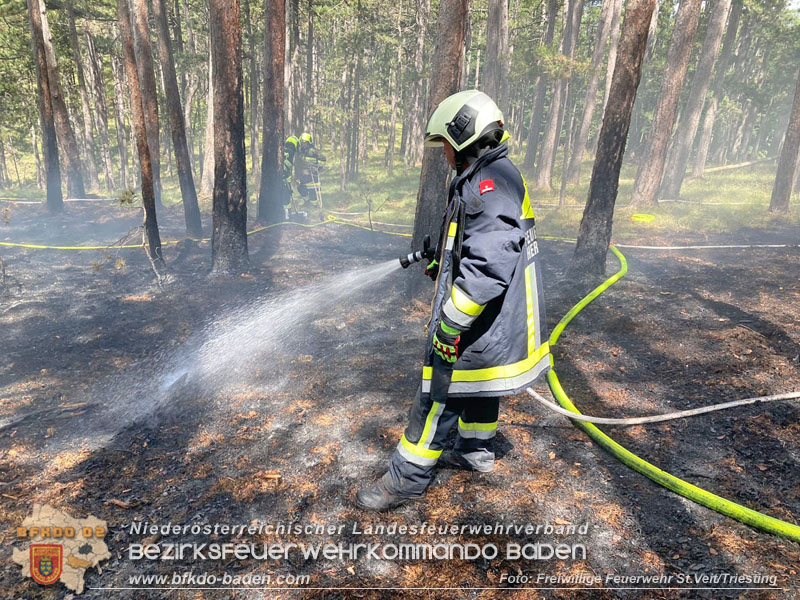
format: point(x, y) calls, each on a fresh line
point(490, 282)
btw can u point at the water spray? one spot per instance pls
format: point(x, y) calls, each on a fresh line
point(427, 252)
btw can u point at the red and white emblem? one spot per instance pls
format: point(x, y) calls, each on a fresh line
point(46, 563)
point(487, 185)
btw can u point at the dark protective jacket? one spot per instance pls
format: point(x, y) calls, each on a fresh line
point(490, 283)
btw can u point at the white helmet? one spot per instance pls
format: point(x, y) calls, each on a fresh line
point(462, 119)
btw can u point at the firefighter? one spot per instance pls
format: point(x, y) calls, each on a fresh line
point(307, 169)
point(486, 337)
point(290, 147)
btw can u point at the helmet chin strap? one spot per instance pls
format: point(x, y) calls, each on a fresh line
point(464, 157)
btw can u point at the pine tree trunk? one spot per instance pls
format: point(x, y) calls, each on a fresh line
point(4, 178)
point(272, 195)
point(40, 180)
point(590, 99)
point(309, 99)
point(252, 93)
point(55, 201)
point(613, 44)
point(191, 211)
point(119, 120)
point(88, 136)
point(207, 180)
point(414, 149)
point(547, 156)
point(789, 159)
point(701, 155)
point(447, 56)
point(648, 176)
point(97, 83)
point(540, 91)
point(152, 239)
point(495, 72)
point(690, 118)
point(147, 79)
point(594, 234)
point(229, 237)
point(394, 86)
point(66, 135)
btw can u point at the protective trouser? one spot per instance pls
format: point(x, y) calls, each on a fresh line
point(412, 466)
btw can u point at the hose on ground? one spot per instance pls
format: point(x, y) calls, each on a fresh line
point(687, 490)
point(681, 414)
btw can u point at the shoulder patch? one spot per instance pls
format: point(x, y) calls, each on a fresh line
point(487, 185)
point(474, 206)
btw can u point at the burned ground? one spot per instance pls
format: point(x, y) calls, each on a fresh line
point(290, 439)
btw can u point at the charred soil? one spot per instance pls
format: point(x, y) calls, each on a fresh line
point(291, 440)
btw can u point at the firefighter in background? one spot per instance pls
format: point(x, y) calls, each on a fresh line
point(486, 337)
point(290, 148)
point(307, 170)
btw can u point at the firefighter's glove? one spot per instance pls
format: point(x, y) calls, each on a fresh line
point(432, 270)
point(445, 342)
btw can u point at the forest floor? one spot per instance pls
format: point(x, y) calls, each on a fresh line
point(292, 440)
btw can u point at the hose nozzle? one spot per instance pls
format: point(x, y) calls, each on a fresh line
point(426, 252)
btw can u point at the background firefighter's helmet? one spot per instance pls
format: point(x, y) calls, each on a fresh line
point(306, 140)
point(463, 119)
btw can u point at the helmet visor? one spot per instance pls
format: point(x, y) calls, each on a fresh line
point(434, 141)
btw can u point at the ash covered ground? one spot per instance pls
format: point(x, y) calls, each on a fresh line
point(288, 434)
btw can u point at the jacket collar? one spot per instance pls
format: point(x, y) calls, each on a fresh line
point(484, 159)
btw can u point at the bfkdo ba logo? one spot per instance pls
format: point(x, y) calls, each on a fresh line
point(54, 546)
point(47, 561)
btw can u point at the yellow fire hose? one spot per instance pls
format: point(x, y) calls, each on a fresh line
point(675, 484)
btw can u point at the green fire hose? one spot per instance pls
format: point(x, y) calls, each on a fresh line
point(679, 486)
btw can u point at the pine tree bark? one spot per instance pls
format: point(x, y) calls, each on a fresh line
point(648, 176)
point(152, 239)
point(414, 148)
point(590, 100)
point(55, 201)
point(547, 156)
point(594, 234)
point(613, 45)
point(229, 236)
point(98, 85)
point(272, 194)
point(431, 196)
point(724, 63)
point(495, 72)
point(4, 177)
point(690, 117)
point(119, 119)
point(40, 179)
point(191, 210)
point(66, 135)
point(790, 157)
point(540, 89)
point(207, 178)
point(147, 80)
point(252, 92)
point(86, 113)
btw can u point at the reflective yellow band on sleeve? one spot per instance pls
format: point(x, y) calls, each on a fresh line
point(465, 304)
point(527, 209)
point(427, 373)
point(451, 231)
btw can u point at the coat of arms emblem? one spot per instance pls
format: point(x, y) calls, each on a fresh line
point(46, 563)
